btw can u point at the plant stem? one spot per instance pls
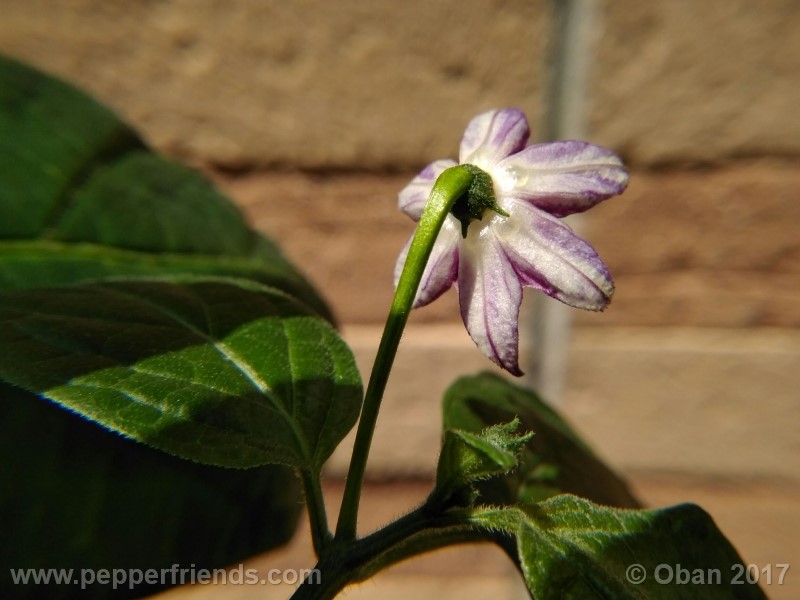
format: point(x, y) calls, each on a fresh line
point(426, 541)
point(450, 185)
point(315, 503)
point(344, 561)
point(422, 530)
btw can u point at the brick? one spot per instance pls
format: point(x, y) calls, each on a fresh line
point(713, 247)
point(712, 402)
point(709, 247)
point(344, 231)
point(703, 401)
point(408, 433)
point(308, 83)
point(702, 298)
point(685, 81)
point(707, 401)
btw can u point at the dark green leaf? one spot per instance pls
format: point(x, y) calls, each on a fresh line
point(569, 548)
point(51, 139)
point(222, 372)
point(45, 263)
point(555, 460)
point(73, 495)
point(82, 198)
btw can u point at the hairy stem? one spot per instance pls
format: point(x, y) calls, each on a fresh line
point(427, 528)
point(450, 185)
point(317, 516)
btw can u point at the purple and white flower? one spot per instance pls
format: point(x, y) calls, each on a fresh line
point(529, 246)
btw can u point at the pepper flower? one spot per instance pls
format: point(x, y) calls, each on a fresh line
point(508, 234)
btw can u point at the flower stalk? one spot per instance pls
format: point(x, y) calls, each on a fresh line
point(451, 185)
point(490, 225)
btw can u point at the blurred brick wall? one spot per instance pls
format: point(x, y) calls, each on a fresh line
point(313, 114)
point(349, 84)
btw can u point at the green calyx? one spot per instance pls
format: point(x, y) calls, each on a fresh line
point(472, 204)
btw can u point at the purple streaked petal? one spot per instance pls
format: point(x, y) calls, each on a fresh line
point(490, 294)
point(412, 198)
point(442, 268)
point(564, 177)
point(493, 135)
point(547, 255)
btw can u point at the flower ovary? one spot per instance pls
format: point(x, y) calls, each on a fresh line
point(472, 205)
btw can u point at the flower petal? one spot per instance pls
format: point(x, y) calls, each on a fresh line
point(547, 255)
point(564, 177)
point(493, 135)
point(412, 198)
point(442, 267)
point(490, 294)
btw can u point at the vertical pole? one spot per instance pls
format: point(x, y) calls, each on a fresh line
point(564, 118)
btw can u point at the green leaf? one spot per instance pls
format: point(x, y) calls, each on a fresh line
point(82, 198)
point(223, 372)
point(73, 495)
point(555, 460)
point(467, 457)
point(51, 138)
point(569, 548)
point(45, 263)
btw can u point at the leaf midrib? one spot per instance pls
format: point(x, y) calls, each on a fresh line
point(238, 363)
